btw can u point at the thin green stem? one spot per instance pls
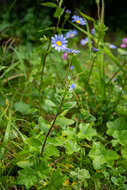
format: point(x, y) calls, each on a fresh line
point(58, 112)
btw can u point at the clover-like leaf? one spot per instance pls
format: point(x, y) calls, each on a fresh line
point(100, 156)
point(118, 130)
point(27, 177)
point(86, 131)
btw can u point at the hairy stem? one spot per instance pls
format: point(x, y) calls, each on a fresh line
point(58, 112)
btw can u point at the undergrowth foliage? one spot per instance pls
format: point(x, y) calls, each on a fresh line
point(63, 107)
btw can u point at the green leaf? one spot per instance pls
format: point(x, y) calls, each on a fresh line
point(49, 4)
point(56, 181)
point(69, 105)
point(24, 163)
point(34, 145)
point(43, 125)
point(87, 17)
point(122, 110)
point(51, 150)
point(49, 106)
point(80, 174)
point(86, 131)
point(43, 169)
point(27, 177)
point(63, 121)
point(83, 174)
point(118, 130)
point(100, 156)
point(58, 13)
point(71, 146)
point(122, 52)
point(22, 107)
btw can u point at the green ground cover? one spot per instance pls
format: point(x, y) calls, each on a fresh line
point(63, 115)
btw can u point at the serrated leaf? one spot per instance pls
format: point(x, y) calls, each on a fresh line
point(71, 147)
point(51, 150)
point(27, 177)
point(83, 174)
point(56, 181)
point(118, 130)
point(100, 156)
point(86, 131)
point(49, 4)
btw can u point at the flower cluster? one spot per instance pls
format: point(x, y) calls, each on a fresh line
point(71, 34)
point(84, 41)
point(78, 20)
point(72, 87)
point(112, 46)
point(59, 43)
point(124, 43)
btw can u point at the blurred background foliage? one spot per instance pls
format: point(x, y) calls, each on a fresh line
point(24, 19)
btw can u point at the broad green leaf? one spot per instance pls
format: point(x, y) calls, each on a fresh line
point(124, 152)
point(43, 169)
point(49, 4)
point(58, 13)
point(63, 121)
point(34, 145)
point(27, 177)
point(56, 181)
point(71, 146)
point(22, 107)
point(43, 125)
point(70, 133)
point(118, 130)
point(122, 52)
point(86, 131)
point(51, 150)
point(122, 110)
point(69, 105)
point(83, 174)
point(24, 163)
point(80, 174)
point(102, 156)
point(49, 106)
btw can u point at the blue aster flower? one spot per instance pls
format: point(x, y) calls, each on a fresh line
point(71, 67)
point(71, 33)
point(59, 42)
point(68, 11)
point(72, 87)
point(92, 31)
point(78, 20)
point(112, 46)
point(68, 50)
point(84, 41)
point(95, 49)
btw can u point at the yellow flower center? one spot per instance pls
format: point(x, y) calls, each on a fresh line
point(58, 43)
point(78, 21)
point(71, 35)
